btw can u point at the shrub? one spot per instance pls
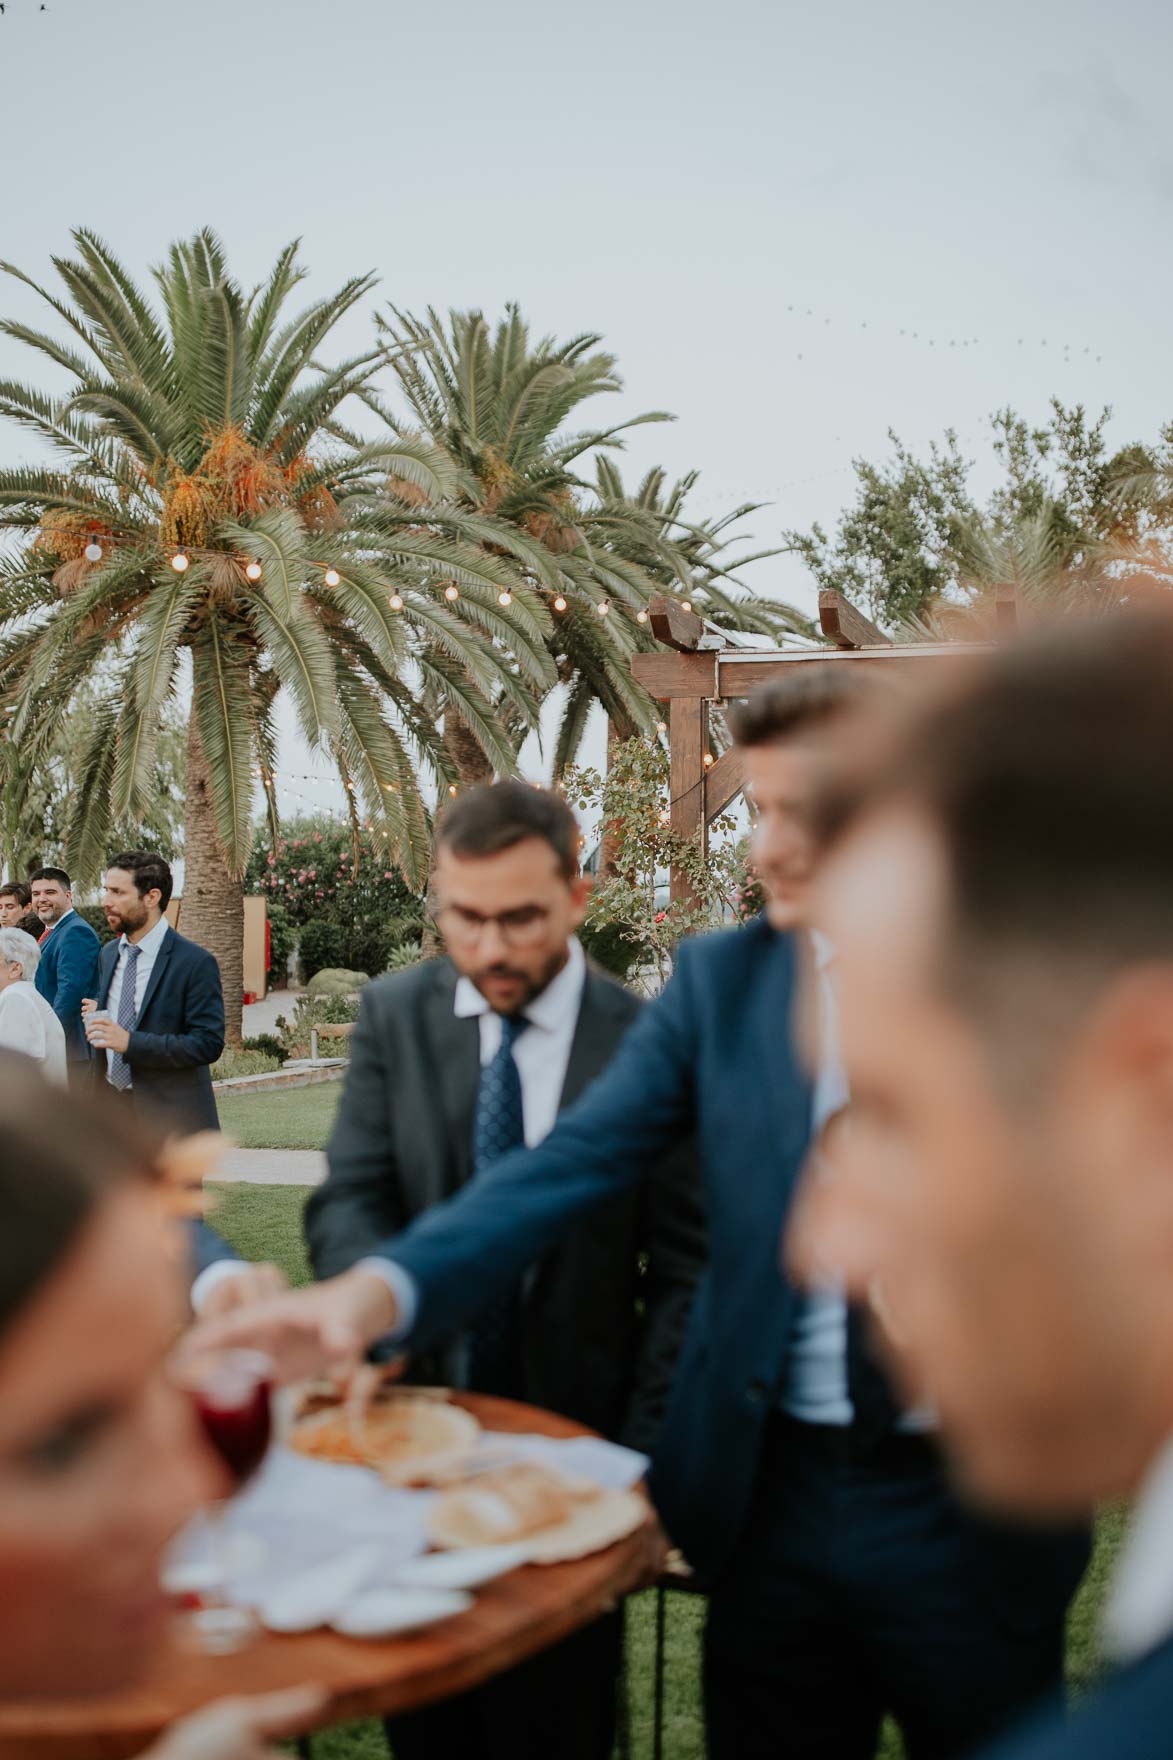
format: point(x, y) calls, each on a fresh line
point(244, 1063)
point(282, 938)
point(95, 916)
point(319, 946)
point(408, 953)
point(336, 981)
point(269, 1043)
point(612, 946)
point(311, 1011)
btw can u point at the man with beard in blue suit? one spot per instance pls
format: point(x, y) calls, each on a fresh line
point(845, 1580)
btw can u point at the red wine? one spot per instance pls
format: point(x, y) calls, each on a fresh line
point(233, 1403)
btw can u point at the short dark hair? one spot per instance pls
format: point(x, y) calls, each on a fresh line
point(18, 890)
point(1046, 779)
point(149, 872)
point(494, 816)
point(807, 693)
point(58, 874)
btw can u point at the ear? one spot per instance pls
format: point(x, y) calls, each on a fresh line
point(1123, 1076)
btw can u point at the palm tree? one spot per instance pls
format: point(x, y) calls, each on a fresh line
point(213, 525)
point(495, 404)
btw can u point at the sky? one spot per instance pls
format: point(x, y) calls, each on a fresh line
point(797, 225)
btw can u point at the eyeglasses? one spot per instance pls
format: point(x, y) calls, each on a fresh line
point(524, 927)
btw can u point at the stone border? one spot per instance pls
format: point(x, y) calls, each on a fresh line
point(298, 1073)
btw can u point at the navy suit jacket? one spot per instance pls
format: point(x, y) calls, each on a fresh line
point(67, 972)
point(178, 1034)
point(1129, 1718)
point(714, 1053)
point(207, 1247)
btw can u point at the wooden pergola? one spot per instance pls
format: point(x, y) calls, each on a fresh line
point(699, 666)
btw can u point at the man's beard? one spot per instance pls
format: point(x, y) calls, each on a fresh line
point(533, 986)
point(122, 924)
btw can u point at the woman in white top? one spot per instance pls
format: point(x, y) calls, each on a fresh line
point(27, 1023)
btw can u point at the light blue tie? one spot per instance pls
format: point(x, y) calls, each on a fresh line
point(127, 1013)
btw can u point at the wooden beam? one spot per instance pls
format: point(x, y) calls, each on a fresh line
point(724, 782)
point(1005, 607)
point(844, 625)
point(676, 675)
point(688, 743)
point(674, 626)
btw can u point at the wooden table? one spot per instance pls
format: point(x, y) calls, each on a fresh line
point(511, 1619)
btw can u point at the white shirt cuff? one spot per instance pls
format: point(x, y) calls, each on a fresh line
point(210, 1276)
point(405, 1292)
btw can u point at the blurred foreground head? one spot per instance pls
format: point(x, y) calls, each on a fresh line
point(99, 1461)
point(1002, 899)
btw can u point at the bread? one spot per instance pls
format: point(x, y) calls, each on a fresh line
point(508, 1504)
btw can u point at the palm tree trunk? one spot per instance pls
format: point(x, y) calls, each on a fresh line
point(471, 763)
point(213, 900)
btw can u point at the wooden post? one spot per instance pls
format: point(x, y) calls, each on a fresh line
point(688, 743)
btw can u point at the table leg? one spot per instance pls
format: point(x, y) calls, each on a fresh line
point(658, 1676)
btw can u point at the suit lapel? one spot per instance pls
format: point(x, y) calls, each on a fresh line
point(455, 1047)
point(157, 970)
point(107, 967)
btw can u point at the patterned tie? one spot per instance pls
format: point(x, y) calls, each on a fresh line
point(494, 1357)
point(119, 1068)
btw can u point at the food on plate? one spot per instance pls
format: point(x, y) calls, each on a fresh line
point(407, 1436)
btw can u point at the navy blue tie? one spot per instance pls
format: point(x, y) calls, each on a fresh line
point(120, 1077)
point(495, 1357)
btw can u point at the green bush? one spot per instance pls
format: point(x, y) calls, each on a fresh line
point(269, 1043)
point(244, 1063)
point(282, 937)
point(311, 1011)
point(611, 946)
point(336, 981)
point(319, 946)
point(408, 953)
point(95, 916)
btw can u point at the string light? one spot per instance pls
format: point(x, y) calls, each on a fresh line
point(661, 727)
point(560, 603)
point(181, 562)
point(93, 551)
point(603, 608)
point(451, 788)
point(396, 601)
point(708, 759)
point(504, 597)
point(332, 577)
point(451, 592)
point(253, 570)
point(641, 617)
point(686, 605)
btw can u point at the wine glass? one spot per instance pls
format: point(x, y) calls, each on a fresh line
point(231, 1393)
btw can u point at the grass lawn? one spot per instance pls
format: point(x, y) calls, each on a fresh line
point(286, 1118)
point(265, 1222)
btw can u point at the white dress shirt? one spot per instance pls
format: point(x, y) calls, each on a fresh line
point(29, 1025)
point(542, 1055)
point(1139, 1612)
point(148, 953)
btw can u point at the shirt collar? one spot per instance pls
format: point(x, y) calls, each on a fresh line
point(825, 950)
point(1139, 1614)
point(558, 1002)
point(151, 941)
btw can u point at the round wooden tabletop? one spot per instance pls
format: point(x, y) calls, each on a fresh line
point(511, 1619)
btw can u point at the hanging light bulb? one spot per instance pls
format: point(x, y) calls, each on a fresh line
point(451, 788)
point(451, 592)
point(396, 601)
point(603, 608)
point(181, 562)
point(686, 605)
point(332, 577)
point(93, 551)
point(641, 617)
point(253, 570)
point(708, 759)
point(661, 727)
point(560, 603)
point(504, 597)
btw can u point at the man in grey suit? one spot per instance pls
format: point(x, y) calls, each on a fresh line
point(453, 1064)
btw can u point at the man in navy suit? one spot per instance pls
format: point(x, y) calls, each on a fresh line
point(1002, 898)
point(162, 998)
point(69, 959)
point(845, 1580)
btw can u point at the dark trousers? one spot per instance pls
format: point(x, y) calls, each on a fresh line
point(559, 1705)
point(861, 1587)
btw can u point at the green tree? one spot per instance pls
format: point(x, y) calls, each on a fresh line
point(205, 428)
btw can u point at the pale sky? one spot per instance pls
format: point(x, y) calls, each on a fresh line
point(751, 201)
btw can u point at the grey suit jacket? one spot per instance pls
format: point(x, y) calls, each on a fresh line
point(606, 1308)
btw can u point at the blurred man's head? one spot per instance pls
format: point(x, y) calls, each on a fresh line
point(136, 890)
point(507, 893)
point(1003, 907)
point(14, 903)
point(52, 894)
point(782, 730)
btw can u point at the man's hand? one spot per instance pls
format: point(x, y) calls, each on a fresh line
point(323, 1330)
point(241, 1729)
point(88, 1005)
point(243, 1287)
point(107, 1036)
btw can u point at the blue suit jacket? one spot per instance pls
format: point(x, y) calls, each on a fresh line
point(1130, 1718)
point(179, 1032)
point(67, 972)
point(713, 1053)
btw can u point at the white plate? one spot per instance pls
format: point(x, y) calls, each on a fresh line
point(382, 1613)
point(307, 1601)
point(461, 1570)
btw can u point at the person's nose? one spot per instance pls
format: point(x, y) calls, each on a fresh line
point(493, 942)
